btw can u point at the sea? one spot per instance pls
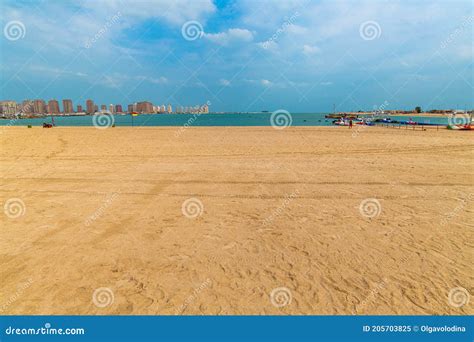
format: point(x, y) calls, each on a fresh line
point(212, 119)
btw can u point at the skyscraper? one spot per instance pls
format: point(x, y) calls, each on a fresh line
point(145, 107)
point(39, 106)
point(53, 107)
point(90, 107)
point(169, 109)
point(27, 107)
point(118, 108)
point(79, 108)
point(8, 108)
point(68, 107)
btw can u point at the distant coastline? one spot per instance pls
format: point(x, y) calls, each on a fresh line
point(366, 113)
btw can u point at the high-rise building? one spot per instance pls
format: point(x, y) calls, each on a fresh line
point(144, 107)
point(118, 108)
point(68, 107)
point(111, 108)
point(53, 107)
point(8, 108)
point(39, 106)
point(103, 108)
point(169, 109)
point(205, 109)
point(79, 108)
point(96, 108)
point(90, 107)
point(27, 107)
point(130, 108)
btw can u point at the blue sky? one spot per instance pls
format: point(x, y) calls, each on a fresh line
point(301, 56)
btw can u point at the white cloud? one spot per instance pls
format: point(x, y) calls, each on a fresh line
point(297, 29)
point(74, 26)
point(266, 83)
point(118, 80)
point(159, 80)
point(230, 36)
point(54, 72)
point(269, 45)
point(175, 12)
point(310, 50)
point(224, 82)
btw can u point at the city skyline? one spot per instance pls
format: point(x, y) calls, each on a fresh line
point(305, 56)
point(10, 108)
point(39, 106)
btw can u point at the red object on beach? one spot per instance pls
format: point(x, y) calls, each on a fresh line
point(47, 125)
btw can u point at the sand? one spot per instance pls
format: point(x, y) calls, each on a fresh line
point(273, 221)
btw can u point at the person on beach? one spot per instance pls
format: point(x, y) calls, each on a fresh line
point(350, 123)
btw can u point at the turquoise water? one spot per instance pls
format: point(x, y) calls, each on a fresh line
point(228, 119)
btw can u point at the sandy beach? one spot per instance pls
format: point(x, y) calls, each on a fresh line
point(254, 220)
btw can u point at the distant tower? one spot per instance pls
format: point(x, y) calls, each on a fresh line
point(90, 107)
point(68, 107)
point(53, 107)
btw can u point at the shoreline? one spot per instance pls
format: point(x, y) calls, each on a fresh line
point(410, 114)
point(424, 114)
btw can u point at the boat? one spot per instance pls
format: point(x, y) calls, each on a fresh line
point(409, 122)
point(467, 127)
point(340, 115)
point(463, 127)
point(341, 122)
